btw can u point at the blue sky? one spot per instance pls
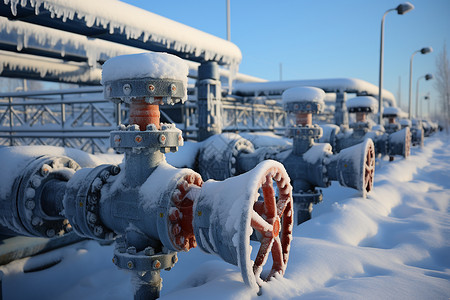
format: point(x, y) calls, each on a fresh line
point(323, 38)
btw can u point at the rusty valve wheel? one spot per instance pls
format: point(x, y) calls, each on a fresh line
point(181, 214)
point(408, 144)
point(369, 168)
point(273, 219)
point(228, 212)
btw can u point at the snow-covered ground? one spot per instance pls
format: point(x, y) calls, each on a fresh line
point(393, 245)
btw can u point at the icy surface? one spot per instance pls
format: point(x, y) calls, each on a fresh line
point(266, 139)
point(14, 159)
point(405, 122)
point(316, 152)
point(327, 129)
point(304, 94)
point(158, 183)
point(363, 101)
point(392, 245)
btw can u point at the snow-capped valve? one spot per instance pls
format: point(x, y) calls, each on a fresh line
point(145, 204)
point(31, 196)
point(361, 130)
point(311, 164)
point(417, 131)
point(226, 213)
point(399, 139)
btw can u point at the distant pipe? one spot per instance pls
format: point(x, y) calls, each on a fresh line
point(228, 21)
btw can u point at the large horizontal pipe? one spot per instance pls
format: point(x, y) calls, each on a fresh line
point(332, 85)
point(125, 24)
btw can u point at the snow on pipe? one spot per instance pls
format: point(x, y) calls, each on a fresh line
point(393, 141)
point(152, 208)
point(308, 164)
point(353, 168)
point(129, 25)
point(399, 141)
point(27, 207)
point(332, 85)
point(67, 46)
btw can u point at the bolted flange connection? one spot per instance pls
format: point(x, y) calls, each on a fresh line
point(303, 106)
point(42, 218)
point(145, 260)
point(154, 91)
point(82, 199)
point(305, 132)
point(167, 139)
point(219, 157)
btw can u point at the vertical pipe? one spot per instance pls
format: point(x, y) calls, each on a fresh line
point(410, 85)
point(118, 114)
point(10, 121)
point(417, 97)
point(143, 114)
point(63, 118)
point(228, 21)
point(380, 75)
point(281, 71)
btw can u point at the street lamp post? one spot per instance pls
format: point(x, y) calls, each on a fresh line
point(401, 9)
point(424, 50)
point(427, 77)
point(427, 97)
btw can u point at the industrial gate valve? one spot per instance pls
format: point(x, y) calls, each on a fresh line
point(309, 165)
point(152, 209)
point(399, 139)
point(361, 129)
point(417, 131)
point(391, 142)
point(312, 165)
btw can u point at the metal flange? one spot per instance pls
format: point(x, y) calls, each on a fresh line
point(82, 199)
point(366, 109)
point(303, 106)
point(144, 260)
point(158, 91)
point(29, 188)
point(314, 197)
point(360, 125)
point(393, 127)
point(305, 132)
point(169, 137)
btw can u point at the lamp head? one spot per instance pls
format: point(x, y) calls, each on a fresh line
point(426, 50)
point(404, 8)
point(429, 76)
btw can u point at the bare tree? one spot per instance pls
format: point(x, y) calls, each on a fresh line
point(442, 85)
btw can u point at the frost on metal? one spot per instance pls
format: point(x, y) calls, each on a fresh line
point(137, 23)
point(316, 152)
point(363, 101)
point(393, 111)
point(304, 94)
point(331, 85)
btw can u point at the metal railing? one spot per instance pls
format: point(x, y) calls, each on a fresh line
point(81, 118)
point(78, 118)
